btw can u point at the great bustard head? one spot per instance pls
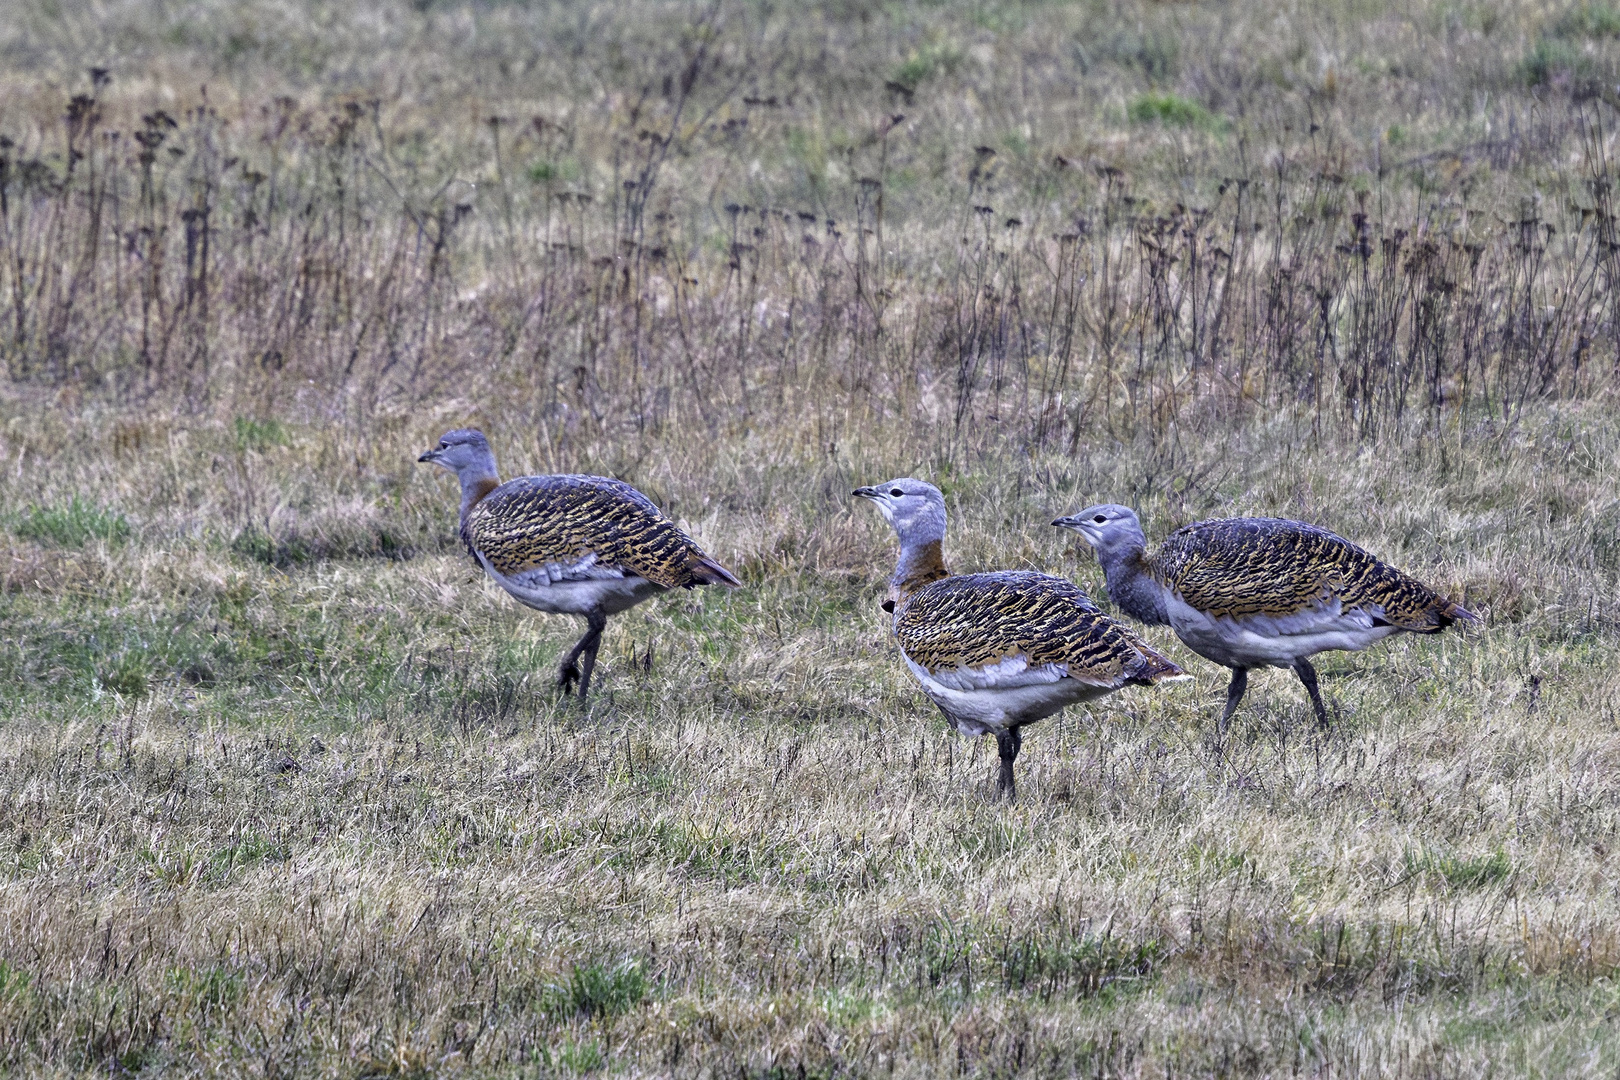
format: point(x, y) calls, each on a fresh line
point(916, 509)
point(1108, 527)
point(463, 451)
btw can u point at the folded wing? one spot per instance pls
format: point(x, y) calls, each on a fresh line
point(572, 528)
point(1012, 629)
point(1294, 578)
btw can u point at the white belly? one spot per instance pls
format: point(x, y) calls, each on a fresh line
point(981, 711)
point(1261, 641)
point(609, 595)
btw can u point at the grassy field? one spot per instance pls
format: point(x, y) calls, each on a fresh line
point(285, 787)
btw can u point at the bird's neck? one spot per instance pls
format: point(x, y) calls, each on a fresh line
point(919, 564)
point(1132, 586)
point(474, 487)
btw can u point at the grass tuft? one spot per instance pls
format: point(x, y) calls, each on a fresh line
point(128, 673)
point(1155, 54)
point(1598, 20)
point(1556, 62)
point(926, 63)
point(15, 985)
point(572, 1056)
point(598, 990)
point(291, 549)
point(1171, 110)
point(282, 552)
point(1462, 872)
point(258, 434)
point(72, 524)
point(204, 989)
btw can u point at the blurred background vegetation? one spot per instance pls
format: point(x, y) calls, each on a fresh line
point(1040, 222)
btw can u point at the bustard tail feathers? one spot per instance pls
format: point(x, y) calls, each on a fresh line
point(1154, 669)
point(1455, 612)
point(705, 571)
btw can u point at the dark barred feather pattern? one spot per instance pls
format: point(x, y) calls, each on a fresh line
point(974, 620)
point(1238, 567)
point(536, 521)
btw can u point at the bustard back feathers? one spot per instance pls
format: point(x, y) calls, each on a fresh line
point(975, 621)
point(1272, 567)
point(537, 522)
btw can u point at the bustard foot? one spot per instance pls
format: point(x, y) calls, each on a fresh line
point(584, 650)
point(1307, 675)
point(1008, 742)
point(1234, 694)
point(1006, 786)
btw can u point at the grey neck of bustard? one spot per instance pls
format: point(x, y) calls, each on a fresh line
point(478, 478)
point(922, 551)
point(1131, 585)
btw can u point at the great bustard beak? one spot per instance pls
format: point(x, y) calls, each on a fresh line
point(1079, 524)
point(431, 455)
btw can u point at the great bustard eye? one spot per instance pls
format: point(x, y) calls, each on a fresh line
point(1100, 519)
point(897, 493)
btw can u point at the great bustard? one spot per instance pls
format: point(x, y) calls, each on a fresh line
point(570, 545)
point(1253, 592)
point(1001, 650)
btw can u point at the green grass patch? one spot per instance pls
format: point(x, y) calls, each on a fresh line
point(1475, 873)
point(546, 171)
point(598, 990)
point(61, 655)
point(251, 434)
point(710, 854)
point(204, 988)
point(1462, 872)
point(244, 852)
point(282, 552)
point(1552, 61)
point(16, 985)
point(72, 524)
point(926, 63)
point(573, 1056)
point(847, 1007)
point(292, 549)
point(1088, 966)
point(1171, 110)
point(127, 673)
point(1588, 21)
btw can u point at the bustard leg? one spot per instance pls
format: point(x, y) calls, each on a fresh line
point(1008, 743)
point(1234, 694)
point(587, 662)
point(568, 672)
point(1307, 675)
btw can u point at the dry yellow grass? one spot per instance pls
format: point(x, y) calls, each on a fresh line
point(284, 785)
point(372, 834)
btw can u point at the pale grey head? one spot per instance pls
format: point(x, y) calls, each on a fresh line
point(464, 452)
point(1108, 527)
point(1115, 533)
point(915, 509)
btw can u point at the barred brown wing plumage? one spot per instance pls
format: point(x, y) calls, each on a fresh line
point(537, 521)
point(976, 620)
point(1241, 567)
